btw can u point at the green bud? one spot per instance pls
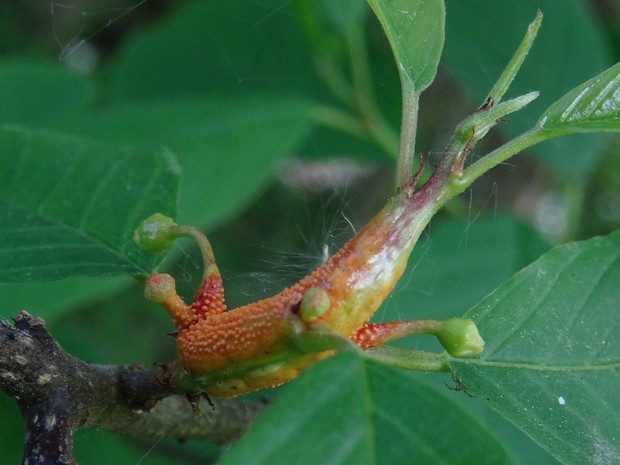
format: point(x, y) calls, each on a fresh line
point(153, 234)
point(314, 304)
point(159, 288)
point(459, 336)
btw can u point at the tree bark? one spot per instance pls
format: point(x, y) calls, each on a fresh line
point(57, 394)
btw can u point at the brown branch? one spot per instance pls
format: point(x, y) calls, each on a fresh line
point(57, 394)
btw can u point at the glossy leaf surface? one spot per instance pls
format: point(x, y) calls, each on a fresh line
point(457, 264)
point(552, 360)
point(220, 46)
point(348, 410)
point(592, 106)
point(211, 138)
point(569, 50)
point(68, 206)
point(415, 29)
point(38, 94)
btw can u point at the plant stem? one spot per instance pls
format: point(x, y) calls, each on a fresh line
point(360, 69)
point(501, 154)
point(334, 79)
point(339, 119)
point(409, 124)
point(511, 70)
point(409, 359)
point(364, 97)
point(203, 244)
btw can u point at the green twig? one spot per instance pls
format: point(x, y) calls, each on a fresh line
point(365, 101)
point(339, 119)
point(501, 154)
point(409, 125)
point(360, 68)
point(511, 70)
point(203, 244)
point(409, 359)
point(335, 80)
point(367, 121)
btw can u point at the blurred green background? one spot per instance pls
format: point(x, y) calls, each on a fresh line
point(254, 100)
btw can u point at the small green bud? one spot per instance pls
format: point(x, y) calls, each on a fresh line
point(460, 336)
point(153, 234)
point(159, 288)
point(314, 303)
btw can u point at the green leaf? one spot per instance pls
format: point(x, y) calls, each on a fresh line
point(552, 359)
point(38, 95)
point(228, 148)
point(97, 447)
point(221, 46)
point(415, 30)
point(11, 430)
point(53, 299)
point(592, 106)
point(569, 49)
point(68, 206)
point(453, 268)
point(460, 262)
point(349, 410)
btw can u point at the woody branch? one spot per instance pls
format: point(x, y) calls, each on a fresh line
point(57, 394)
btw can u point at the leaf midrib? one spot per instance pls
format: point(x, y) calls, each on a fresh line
point(613, 365)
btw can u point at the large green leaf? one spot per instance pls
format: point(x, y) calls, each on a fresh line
point(228, 148)
point(39, 94)
point(53, 299)
point(592, 106)
point(68, 206)
point(348, 410)
point(219, 46)
point(552, 358)
point(457, 264)
point(454, 267)
point(569, 49)
point(415, 29)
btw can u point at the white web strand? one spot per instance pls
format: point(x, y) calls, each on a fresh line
point(74, 43)
point(148, 452)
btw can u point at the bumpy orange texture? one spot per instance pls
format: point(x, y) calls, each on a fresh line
point(253, 347)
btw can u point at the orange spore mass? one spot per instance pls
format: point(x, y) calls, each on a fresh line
point(251, 347)
point(217, 340)
point(209, 299)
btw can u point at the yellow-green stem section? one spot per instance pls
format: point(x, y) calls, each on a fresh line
point(409, 125)
point(409, 359)
point(504, 81)
point(203, 244)
point(499, 155)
